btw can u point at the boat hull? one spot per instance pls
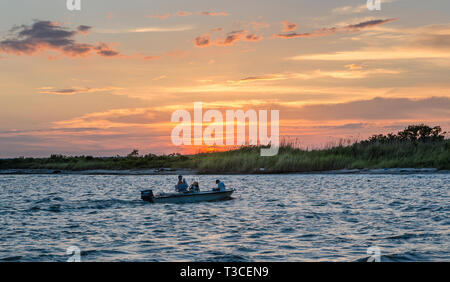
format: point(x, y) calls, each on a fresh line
point(186, 197)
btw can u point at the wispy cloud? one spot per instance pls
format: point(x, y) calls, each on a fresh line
point(146, 29)
point(240, 35)
point(345, 10)
point(84, 29)
point(259, 25)
point(74, 90)
point(353, 67)
point(203, 40)
point(375, 54)
point(159, 77)
point(214, 14)
point(159, 16)
point(375, 109)
point(186, 13)
point(183, 13)
point(332, 30)
point(427, 42)
point(153, 57)
point(175, 53)
point(378, 109)
point(353, 72)
point(288, 26)
point(227, 39)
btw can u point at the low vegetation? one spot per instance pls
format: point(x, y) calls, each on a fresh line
point(418, 146)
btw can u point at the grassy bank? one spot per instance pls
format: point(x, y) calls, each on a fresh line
point(410, 148)
point(360, 155)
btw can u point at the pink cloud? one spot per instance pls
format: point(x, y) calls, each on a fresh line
point(229, 39)
point(288, 26)
point(159, 16)
point(214, 14)
point(183, 14)
point(203, 40)
point(186, 13)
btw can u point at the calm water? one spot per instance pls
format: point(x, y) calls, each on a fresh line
point(270, 218)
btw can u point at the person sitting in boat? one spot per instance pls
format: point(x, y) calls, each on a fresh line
point(220, 186)
point(194, 187)
point(181, 185)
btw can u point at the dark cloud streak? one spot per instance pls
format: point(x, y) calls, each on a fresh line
point(47, 35)
point(333, 30)
point(229, 39)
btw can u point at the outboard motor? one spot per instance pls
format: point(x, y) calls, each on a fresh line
point(147, 195)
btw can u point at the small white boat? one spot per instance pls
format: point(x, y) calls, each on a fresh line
point(187, 197)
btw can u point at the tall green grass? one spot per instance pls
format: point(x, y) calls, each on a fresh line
point(398, 154)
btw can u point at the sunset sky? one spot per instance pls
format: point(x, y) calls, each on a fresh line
point(106, 79)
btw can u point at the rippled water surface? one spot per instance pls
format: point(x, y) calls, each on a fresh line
point(270, 218)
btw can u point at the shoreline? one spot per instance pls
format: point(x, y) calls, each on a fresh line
point(167, 171)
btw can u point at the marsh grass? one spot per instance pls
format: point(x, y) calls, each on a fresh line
point(248, 160)
point(399, 154)
point(416, 147)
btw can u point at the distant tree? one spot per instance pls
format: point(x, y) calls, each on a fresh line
point(377, 138)
point(412, 133)
point(57, 157)
point(421, 133)
point(133, 154)
point(150, 156)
